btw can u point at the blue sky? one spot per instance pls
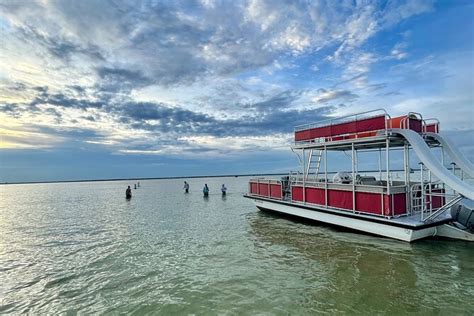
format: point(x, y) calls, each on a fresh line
point(113, 89)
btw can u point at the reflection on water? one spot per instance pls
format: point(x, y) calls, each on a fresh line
point(81, 247)
point(367, 274)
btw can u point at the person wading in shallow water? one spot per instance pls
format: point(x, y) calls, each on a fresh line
point(128, 193)
point(205, 190)
point(186, 187)
point(223, 190)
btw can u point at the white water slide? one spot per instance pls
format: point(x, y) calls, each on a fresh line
point(457, 157)
point(431, 162)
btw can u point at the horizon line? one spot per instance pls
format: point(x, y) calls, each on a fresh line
point(177, 177)
point(145, 178)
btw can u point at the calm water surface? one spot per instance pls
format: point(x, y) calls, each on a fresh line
point(81, 247)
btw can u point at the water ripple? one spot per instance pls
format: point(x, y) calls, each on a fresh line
point(82, 248)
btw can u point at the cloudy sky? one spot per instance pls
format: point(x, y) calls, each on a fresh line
point(111, 89)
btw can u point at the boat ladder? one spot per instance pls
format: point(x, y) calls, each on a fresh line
point(314, 163)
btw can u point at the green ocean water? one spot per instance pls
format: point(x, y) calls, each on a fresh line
point(83, 248)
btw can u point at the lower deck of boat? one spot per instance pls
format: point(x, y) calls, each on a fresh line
point(409, 221)
point(406, 228)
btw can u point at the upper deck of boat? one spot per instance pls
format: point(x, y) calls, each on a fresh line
point(365, 143)
point(368, 130)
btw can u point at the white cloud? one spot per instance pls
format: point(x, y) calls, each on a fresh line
point(275, 141)
point(399, 51)
point(324, 96)
point(16, 134)
point(214, 60)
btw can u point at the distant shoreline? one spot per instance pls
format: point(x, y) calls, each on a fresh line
point(152, 178)
point(179, 177)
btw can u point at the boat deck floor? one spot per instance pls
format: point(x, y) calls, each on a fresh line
point(415, 219)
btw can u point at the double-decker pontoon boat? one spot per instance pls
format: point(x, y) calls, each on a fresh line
point(400, 204)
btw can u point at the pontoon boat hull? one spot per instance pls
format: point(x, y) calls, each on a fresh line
point(361, 223)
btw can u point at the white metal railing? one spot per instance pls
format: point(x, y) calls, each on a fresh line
point(427, 122)
point(443, 208)
point(405, 122)
point(329, 122)
point(422, 197)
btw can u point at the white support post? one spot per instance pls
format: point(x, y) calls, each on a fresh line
point(387, 157)
point(304, 177)
point(380, 179)
point(326, 176)
point(380, 164)
point(406, 165)
point(304, 163)
point(453, 164)
point(422, 191)
point(429, 190)
point(407, 169)
point(356, 162)
point(353, 178)
point(442, 162)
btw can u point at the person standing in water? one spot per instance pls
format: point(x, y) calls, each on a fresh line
point(205, 190)
point(223, 189)
point(186, 187)
point(128, 193)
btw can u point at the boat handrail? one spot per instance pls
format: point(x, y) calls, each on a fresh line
point(264, 180)
point(331, 120)
point(431, 121)
point(405, 122)
point(349, 185)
